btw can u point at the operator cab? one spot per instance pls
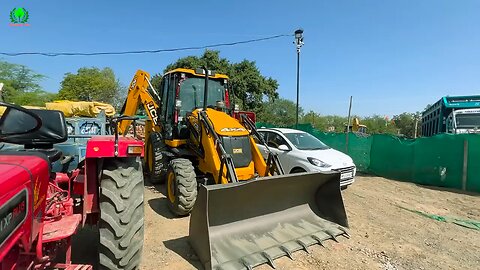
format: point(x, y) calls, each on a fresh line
point(37, 130)
point(182, 91)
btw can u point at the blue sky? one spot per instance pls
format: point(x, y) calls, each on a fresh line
point(392, 56)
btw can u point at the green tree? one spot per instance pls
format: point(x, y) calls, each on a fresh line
point(406, 122)
point(251, 88)
point(90, 84)
point(279, 112)
point(21, 85)
point(318, 121)
point(378, 124)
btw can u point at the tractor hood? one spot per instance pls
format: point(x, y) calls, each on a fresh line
point(18, 168)
point(224, 124)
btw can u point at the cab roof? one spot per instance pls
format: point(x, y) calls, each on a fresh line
point(193, 72)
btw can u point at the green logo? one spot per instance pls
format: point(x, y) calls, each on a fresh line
point(19, 15)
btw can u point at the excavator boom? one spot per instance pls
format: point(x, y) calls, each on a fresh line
point(138, 94)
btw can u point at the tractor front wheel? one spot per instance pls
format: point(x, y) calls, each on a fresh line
point(181, 186)
point(121, 225)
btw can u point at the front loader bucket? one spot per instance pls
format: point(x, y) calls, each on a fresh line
point(246, 224)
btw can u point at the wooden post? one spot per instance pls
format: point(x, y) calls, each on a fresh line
point(465, 164)
point(1, 94)
point(416, 127)
point(348, 124)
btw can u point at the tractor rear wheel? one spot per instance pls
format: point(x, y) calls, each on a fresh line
point(155, 159)
point(181, 186)
point(121, 225)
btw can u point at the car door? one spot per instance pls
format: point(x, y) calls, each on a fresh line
point(274, 141)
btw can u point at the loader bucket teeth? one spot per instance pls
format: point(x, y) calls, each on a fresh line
point(345, 233)
point(287, 252)
point(304, 246)
point(243, 225)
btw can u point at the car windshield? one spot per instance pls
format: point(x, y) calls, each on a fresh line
point(305, 141)
point(192, 90)
point(468, 120)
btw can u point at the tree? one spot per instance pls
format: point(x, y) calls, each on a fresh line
point(90, 84)
point(406, 123)
point(251, 88)
point(316, 120)
point(279, 112)
point(21, 85)
point(378, 124)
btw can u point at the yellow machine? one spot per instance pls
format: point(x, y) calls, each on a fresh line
point(244, 210)
point(357, 127)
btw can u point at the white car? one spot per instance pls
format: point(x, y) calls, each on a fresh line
point(299, 151)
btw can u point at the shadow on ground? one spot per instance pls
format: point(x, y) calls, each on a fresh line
point(183, 248)
point(452, 190)
point(160, 206)
point(85, 246)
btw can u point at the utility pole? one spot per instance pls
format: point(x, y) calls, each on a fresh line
point(299, 43)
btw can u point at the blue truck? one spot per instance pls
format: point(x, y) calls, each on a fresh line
point(452, 114)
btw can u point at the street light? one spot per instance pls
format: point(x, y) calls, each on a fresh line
point(299, 43)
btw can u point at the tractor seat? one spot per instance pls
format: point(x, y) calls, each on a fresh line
point(52, 131)
point(52, 153)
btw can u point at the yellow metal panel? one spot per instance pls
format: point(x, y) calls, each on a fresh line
point(260, 165)
point(225, 125)
point(246, 173)
point(175, 143)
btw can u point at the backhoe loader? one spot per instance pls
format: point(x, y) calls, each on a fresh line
point(244, 210)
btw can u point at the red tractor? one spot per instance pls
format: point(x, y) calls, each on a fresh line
point(40, 210)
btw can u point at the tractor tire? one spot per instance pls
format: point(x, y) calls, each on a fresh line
point(181, 186)
point(121, 224)
point(156, 161)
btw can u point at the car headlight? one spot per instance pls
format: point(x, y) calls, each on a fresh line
point(318, 162)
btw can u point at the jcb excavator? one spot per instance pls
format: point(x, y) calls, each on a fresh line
point(356, 127)
point(244, 210)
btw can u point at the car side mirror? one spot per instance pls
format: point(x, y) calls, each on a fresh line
point(283, 147)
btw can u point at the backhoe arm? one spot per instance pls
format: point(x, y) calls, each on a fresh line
point(138, 94)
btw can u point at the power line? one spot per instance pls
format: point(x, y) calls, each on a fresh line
point(144, 51)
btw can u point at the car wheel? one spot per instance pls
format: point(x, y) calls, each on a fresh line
point(298, 170)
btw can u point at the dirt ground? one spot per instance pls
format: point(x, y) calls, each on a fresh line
point(383, 235)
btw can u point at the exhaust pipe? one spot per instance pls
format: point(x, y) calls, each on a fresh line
point(205, 92)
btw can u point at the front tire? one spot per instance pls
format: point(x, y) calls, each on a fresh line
point(181, 186)
point(121, 225)
point(155, 159)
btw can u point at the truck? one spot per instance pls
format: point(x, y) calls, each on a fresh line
point(452, 115)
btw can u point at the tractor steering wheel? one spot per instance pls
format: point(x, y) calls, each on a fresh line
point(16, 120)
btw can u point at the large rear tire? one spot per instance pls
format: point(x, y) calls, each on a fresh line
point(155, 159)
point(121, 225)
point(181, 186)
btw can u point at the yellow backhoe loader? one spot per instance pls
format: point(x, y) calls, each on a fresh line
point(244, 210)
point(356, 127)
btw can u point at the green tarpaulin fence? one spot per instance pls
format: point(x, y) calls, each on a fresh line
point(444, 160)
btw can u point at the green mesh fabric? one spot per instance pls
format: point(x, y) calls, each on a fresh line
point(436, 161)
